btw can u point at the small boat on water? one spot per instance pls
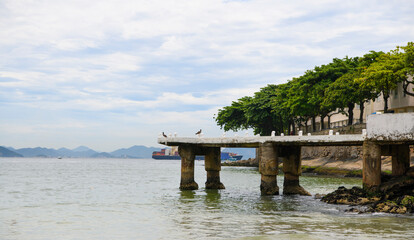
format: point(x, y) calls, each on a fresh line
point(172, 154)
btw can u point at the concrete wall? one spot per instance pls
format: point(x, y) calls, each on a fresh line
point(396, 127)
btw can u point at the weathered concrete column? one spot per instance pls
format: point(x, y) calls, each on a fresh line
point(371, 165)
point(258, 154)
point(268, 167)
point(187, 154)
point(212, 165)
point(292, 170)
point(400, 159)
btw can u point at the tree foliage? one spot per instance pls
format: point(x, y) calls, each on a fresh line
point(408, 64)
point(338, 85)
point(384, 74)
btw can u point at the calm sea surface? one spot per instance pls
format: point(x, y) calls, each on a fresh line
point(140, 199)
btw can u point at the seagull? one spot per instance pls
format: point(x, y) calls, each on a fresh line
point(198, 132)
point(164, 134)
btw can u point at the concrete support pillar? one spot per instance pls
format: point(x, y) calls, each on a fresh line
point(400, 159)
point(371, 165)
point(213, 168)
point(187, 154)
point(258, 154)
point(268, 167)
point(292, 170)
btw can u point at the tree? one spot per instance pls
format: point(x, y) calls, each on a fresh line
point(259, 112)
point(349, 86)
point(252, 112)
point(233, 117)
point(408, 63)
point(308, 91)
point(327, 75)
point(280, 108)
point(297, 99)
point(384, 75)
point(319, 92)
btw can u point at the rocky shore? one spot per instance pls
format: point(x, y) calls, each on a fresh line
point(396, 195)
point(251, 162)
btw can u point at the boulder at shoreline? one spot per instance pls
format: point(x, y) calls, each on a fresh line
point(396, 195)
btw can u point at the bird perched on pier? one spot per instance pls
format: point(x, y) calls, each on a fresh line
point(163, 134)
point(199, 132)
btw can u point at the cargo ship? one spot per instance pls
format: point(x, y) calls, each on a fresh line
point(172, 154)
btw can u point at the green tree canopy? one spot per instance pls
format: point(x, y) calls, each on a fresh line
point(384, 75)
point(319, 92)
point(346, 91)
point(408, 63)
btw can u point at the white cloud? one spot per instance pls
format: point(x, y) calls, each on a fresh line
point(136, 59)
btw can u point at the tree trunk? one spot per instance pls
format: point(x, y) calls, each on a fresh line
point(329, 121)
point(313, 124)
point(406, 83)
point(350, 113)
point(293, 130)
point(281, 127)
point(385, 97)
point(306, 126)
point(361, 112)
point(322, 123)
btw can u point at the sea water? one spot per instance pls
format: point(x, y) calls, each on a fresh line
point(44, 198)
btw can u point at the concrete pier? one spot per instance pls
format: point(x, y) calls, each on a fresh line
point(268, 168)
point(292, 170)
point(386, 134)
point(400, 159)
point(213, 168)
point(187, 154)
point(371, 165)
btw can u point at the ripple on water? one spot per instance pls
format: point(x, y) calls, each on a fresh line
point(139, 199)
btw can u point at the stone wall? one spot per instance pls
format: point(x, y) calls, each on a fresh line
point(337, 153)
point(332, 153)
point(353, 129)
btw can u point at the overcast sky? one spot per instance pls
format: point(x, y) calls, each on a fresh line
point(112, 74)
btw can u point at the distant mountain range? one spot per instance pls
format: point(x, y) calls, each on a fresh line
point(4, 152)
point(79, 152)
point(85, 152)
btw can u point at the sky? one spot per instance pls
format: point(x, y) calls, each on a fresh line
point(113, 74)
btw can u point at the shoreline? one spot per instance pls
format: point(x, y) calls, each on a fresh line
point(324, 166)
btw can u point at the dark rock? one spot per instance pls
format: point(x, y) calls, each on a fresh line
point(395, 196)
point(410, 172)
point(319, 196)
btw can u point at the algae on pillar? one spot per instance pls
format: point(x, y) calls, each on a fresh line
point(292, 170)
point(187, 154)
point(213, 167)
point(268, 167)
point(371, 165)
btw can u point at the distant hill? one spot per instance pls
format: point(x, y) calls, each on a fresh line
point(38, 152)
point(135, 152)
point(4, 152)
point(81, 149)
point(79, 152)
